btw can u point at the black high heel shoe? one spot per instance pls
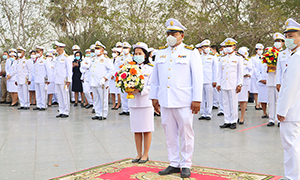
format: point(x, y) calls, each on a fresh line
point(143, 161)
point(240, 121)
point(136, 160)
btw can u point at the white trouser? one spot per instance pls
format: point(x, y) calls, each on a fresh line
point(23, 95)
point(124, 102)
point(221, 109)
point(290, 137)
point(230, 102)
point(272, 96)
point(98, 100)
point(63, 97)
point(54, 98)
point(40, 95)
point(174, 120)
point(89, 98)
point(207, 100)
point(216, 97)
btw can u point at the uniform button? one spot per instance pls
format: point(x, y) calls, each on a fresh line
point(172, 52)
point(168, 87)
point(92, 75)
point(171, 60)
point(227, 73)
point(226, 79)
point(227, 67)
point(169, 68)
point(168, 77)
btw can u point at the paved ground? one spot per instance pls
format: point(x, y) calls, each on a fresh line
point(36, 145)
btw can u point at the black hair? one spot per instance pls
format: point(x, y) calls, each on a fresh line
point(5, 52)
point(215, 47)
point(80, 56)
point(146, 55)
point(153, 58)
point(32, 52)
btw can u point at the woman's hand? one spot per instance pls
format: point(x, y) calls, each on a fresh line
point(135, 91)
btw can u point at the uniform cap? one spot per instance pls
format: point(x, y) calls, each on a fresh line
point(87, 50)
point(291, 26)
point(222, 43)
point(12, 49)
point(98, 44)
point(75, 47)
point(126, 44)
point(119, 44)
point(173, 25)
point(198, 45)
point(150, 49)
point(49, 54)
point(52, 51)
point(259, 46)
point(243, 51)
point(277, 36)
point(58, 44)
point(20, 48)
point(13, 54)
point(92, 46)
point(140, 45)
point(206, 42)
point(230, 42)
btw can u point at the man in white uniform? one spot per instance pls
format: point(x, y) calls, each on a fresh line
point(84, 69)
point(230, 80)
point(63, 78)
point(101, 70)
point(176, 89)
point(23, 79)
point(210, 65)
point(288, 107)
point(221, 107)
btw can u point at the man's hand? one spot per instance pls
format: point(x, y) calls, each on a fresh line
point(47, 83)
point(238, 89)
point(218, 88)
point(195, 107)
point(68, 84)
point(214, 84)
point(156, 105)
point(16, 83)
point(8, 77)
point(247, 75)
point(278, 86)
point(280, 118)
point(112, 77)
point(29, 82)
point(263, 81)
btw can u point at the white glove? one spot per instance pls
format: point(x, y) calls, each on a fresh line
point(102, 81)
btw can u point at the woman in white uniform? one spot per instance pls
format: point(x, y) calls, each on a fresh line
point(114, 91)
point(141, 109)
point(32, 98)
point(244, 95)
point(12, 78)
point(51, 80)
point(262, 87)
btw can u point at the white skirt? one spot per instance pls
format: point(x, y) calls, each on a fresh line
point(32, 86)
point(253, 87)
point(11, 87)
point(112, 87)
point(142, 119)
point(86, 87)
point(263, 93)
point(51, 88)
point(243, 95)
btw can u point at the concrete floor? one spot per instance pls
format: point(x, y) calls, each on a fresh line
point(36, 145)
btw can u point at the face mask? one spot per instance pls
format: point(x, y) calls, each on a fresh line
point(260, 52)
point(87, 55)
point(139, 59)
point(228, 49)
point(77, 57)
point(4, 57)
point(125, 51)
point(289, 43)
point(12, 59)
point(38, 55)
point(114, 55)
point(97, 52)
point(19, 54)
point(49, 58)
point(221, 52)
point(206, 51)
point(171, 40)
point(33, 56)
point(277, 45)
point(92, 54)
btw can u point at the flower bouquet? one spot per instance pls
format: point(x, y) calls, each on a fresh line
point(129, 78)
point(270, 58)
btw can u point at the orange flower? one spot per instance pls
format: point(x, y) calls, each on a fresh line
point(131, 63)
point(133, 71)
point(121, 66)
point(117, 78)
point(142, 77)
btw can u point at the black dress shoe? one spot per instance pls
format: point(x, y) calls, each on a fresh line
point(25, 108)
point(127, 113)
point(202, 118)
point(64, 116)
point(257, 108)
point(87, 106)
point(143, 161)
point(113, 108)
point(215, 107)
point(7, 102)
point(95, 117)
point(93, 111)
point(265, 116)
point(135, 160)
point(42, 109)
point(72, 101)
point(185, 172)
point(169, 170)
point(76, 104)
point(156, 114)
point(49, 105)
point(270, 124)
point(233, 126)
point(225, 125)
point(2, 102)
point(58, 116)
point(16, 104)
point(278, 124)
point(208, 118)
point(55, 103)
point(260, 109)
point(102, 118)
point(36, 108)
point(20, 108)
point(220, 114)
point(122, 113)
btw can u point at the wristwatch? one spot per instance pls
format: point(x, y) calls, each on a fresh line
point(240, 85)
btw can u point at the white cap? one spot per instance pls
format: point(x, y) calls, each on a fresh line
point(87, 50)
point(198, 45)
point(243, 51)
point(99, 44)
point(259, 46)
point(206, 42)
point(49, 54)
point(118, 50)
point(222, 43)
point(12, 49)
point(75, 47)
point(13, 54)
point(92, 46)
point(119, 44)
point(39, 48)
point(291, 26)
point(277, 36)
point(150, 49)
point(52, 51)
point(20, 48)
point(126, 44)
point(174, 25)
point(230, 42)
point(58, 44)
point(140, 45)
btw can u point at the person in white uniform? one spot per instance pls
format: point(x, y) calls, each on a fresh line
point(178, 96)
point(288, 105)
point(221, 107)
point(40, 78)
point(214, 50)
point(244, 94)
point(261, 76)
point(256, 61)
point(230, 80)
point(125, 58)
point(23, 79)
point(101, 70)
point(63, 78)
point(51, 81)
point(271, 83)
point(32, 97)
point(141, 109)
point(114, 91)
point(210, 65)
point(11, 76)
point(84, 69)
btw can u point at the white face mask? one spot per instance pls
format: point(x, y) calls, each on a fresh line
point(277, 45)
point(19, 54)
point(171, 40)
point(221, 52)
point(125, 51)
point(290, 43)
point(38, 55)
point(49, 58)
point(33, 56)
point(260, 52)
point(97, 52)
point(114, 55)
point(206, 51)
point(228, 49)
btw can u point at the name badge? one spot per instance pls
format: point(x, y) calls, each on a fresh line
point(162, 56)
point(102, 60)
point(233, 61)
point(146, 75)
point(181, 56)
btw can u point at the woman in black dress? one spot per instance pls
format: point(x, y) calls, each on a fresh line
point(76, 81)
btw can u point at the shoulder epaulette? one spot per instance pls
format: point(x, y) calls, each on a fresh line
point(247, 59)
point(223, 55)
point(253, 55)
point(211, 54)
point(189, 47)
point(131, 55)
point(106, 56)
point(163, 47)
point(219, 55)
point(66, 55)
point(44, 57)
point(150, 64)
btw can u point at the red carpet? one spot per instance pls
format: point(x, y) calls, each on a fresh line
point(125, 170)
